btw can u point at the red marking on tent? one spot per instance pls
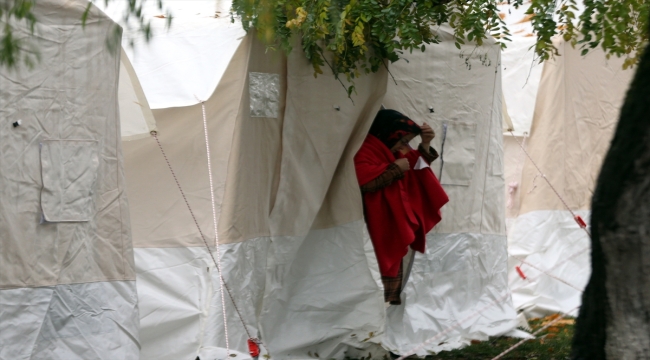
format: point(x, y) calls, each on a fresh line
point(580, 222)
point(521, 273)
point(253, 348)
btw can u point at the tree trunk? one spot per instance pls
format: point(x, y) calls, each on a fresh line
point(614, 321)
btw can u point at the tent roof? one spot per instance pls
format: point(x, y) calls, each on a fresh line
point(521, 70)
point(183, 62)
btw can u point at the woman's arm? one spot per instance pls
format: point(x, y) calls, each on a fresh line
point(392, 173)
point(429, 154)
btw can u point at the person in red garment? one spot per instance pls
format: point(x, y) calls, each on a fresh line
point(401, 195)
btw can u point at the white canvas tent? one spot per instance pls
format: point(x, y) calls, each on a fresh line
point(67, 277)
point(295, 254)
point(290, 222)
point(460, 285)
point(567, 109)
point(289, 207)
point(295, 271)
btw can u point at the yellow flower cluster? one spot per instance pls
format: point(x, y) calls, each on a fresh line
point(301, 15)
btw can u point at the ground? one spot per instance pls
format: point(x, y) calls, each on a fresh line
point(553, 343)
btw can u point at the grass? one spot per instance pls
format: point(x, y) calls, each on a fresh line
point(553, 343)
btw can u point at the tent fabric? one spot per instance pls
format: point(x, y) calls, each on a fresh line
point(507, 121)
point(296, 287)
point(521, 75)
point(289, 207)
point(66, 267)
point(160, 217)
point(447, 283)
point(95, 320)
point(289, 221)
point(136, 118)
point(550, 241)
point(521, 69)
point(322, 131)
point(69, 173)
point(464, 101)
point(262, 166)
point(575, 113)
point(457, 292)
point(576, 110)
point(185, 61)
point(71, 99)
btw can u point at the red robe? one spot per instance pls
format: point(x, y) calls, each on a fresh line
point(401, 214)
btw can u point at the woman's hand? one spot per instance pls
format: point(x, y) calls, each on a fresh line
point(403, 164)
point(427, 135)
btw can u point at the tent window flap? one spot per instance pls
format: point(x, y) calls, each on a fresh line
point(69, 171)
point(459, 154)
point(264, 90)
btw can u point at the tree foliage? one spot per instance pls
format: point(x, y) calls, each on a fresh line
point(11, 48)
point(618, 27)
point(354, 36)
point(358, 36)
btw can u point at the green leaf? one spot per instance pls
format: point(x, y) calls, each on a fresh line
point(84, 16)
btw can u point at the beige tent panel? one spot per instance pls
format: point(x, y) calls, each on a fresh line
point(64, 217)
point(575, 114)
point(287, 170)
point(322, 132)
point(159, 214)
point(253, 170)
point(273, 175)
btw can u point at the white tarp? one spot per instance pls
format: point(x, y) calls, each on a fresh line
point(317, 296)
point(557, 262)
point(67, 288)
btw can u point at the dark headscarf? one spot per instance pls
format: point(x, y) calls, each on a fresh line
point(390, 126)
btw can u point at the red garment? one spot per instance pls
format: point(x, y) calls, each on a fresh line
point(401, 214)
